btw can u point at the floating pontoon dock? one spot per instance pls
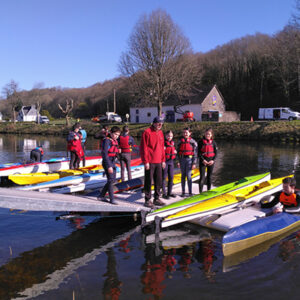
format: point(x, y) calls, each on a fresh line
point(129, 201)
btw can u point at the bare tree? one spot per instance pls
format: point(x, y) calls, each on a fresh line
point(36, 94)
point(157, 61)
point(10, 91)
point(67, 110)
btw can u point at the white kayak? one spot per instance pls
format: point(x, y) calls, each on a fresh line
point(47, 166)
point(93, 184)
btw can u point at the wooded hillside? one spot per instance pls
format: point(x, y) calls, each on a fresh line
point(251, 72)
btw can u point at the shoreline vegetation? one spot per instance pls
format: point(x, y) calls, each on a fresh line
point(277, 131)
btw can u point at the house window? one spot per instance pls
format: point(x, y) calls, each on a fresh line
point(137, 111)
point(149, 114)
point(137, 119)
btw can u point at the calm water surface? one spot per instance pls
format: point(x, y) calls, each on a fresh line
point(110, 258)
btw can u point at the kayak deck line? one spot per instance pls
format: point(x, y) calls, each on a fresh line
point(128, 201)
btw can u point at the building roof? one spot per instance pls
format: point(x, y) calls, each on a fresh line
point(197, 98)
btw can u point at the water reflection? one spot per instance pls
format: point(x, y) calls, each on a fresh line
point(44, 268)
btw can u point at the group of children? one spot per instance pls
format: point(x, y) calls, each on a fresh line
point(119, 145)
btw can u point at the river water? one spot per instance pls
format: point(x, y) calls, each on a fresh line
point(109, 257)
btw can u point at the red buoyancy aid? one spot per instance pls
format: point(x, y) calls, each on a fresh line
point(114, 149)
point(207, 149)
point(124, 144)
point(170, 150)
point(75, 146)
point(289, 200)
point(186, 148)
point(39, 149)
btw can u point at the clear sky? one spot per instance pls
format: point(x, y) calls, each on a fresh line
point(77, 43)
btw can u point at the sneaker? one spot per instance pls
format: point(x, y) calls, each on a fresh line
point(172, 195)
point(182, 195)
point(100, 198)
point(191, 194)
point(165, 196)
point(113, 202)
point(158, 202)
point(149, 204)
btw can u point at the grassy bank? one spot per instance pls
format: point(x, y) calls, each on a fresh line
point(283, 131)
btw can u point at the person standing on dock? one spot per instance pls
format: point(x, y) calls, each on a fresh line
point(208, 150)
point(110, 150)
point(187, 153)
point(74, 146)
point(36, 154)
point(83, 141)
point(152, 152)
point(170, 152)
point(126, 142)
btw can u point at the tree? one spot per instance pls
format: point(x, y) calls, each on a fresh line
point(157, 62)
point(10, 91)
point(67, 110)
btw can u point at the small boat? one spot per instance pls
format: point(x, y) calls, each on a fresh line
point(225, 202)
point(95, 183)
point(7, 165)
point(190, 201)
point(50, 166)
point(34, 178)
point(259, 231)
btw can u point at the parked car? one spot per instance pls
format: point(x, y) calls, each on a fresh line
point(44, 120)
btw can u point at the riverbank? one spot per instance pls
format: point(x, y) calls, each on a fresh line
point(282, 131)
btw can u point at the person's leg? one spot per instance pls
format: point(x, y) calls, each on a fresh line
point(72, 160)
point(105, 188)
point(189, 174)
point(202, 177)
point(122, 163)
point(183, 174)
point(110, 182)
point(128, 165)
point(147, 185)
point(77, 161)
point(165, 174)
point(170, 177)
point(83, 158)
point(209, 173)
point(157, 176)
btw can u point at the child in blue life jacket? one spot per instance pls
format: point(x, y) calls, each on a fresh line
point(170, 153)
point(207, 152)
point(110, 150)
point(187, 154)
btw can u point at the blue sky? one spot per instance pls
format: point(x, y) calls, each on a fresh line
point(77, 43)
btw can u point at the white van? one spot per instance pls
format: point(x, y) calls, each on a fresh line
point(278, 113)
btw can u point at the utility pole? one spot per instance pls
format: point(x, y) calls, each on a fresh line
point(115, 101)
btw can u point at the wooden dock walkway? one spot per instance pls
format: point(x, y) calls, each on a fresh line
point(129, 201)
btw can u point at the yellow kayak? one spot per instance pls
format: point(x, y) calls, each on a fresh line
point(34, 178)
point(226, 201)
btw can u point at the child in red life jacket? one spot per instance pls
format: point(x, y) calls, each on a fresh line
point(170, 153)
point(110, 150)
point(126, 142)
point(36, 154)
point(75, 147)
point(187, 153)
point(207, 152)
point(283, 199)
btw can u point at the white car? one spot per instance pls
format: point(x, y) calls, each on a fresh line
point(44, 119)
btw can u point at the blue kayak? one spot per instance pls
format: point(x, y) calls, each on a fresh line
point(258, 231)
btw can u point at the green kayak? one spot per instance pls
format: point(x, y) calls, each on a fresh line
point(187, 202)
